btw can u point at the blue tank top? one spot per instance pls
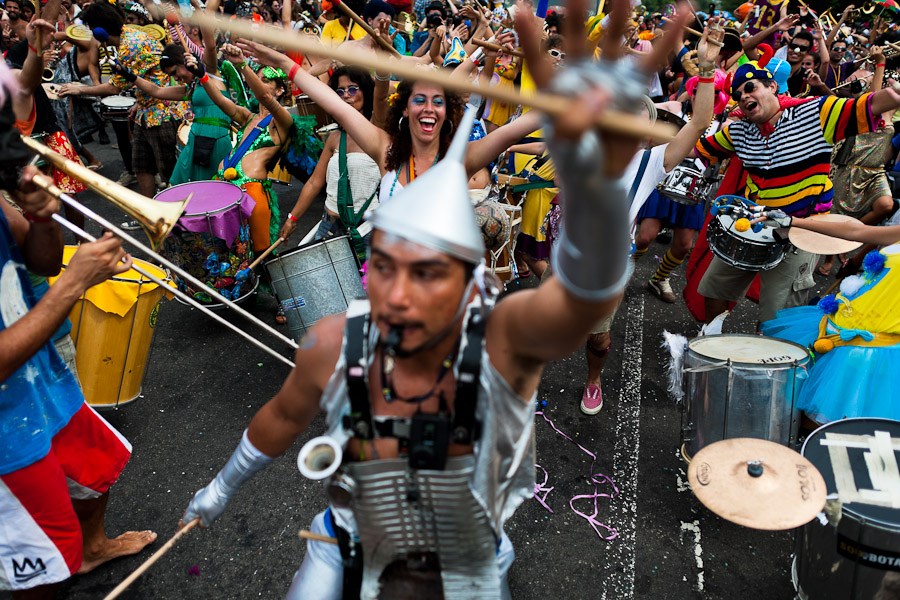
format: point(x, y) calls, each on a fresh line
point(41, 396)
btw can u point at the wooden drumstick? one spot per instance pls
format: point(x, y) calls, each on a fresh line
point(149, 562)
point(697, 33)
point(245, 273)
point(627, 125)
point(369, 31)
point(498, 48)
point(317, 537)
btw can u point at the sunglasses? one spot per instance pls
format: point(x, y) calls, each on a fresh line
point(350, 91)
point(839, 49)
point(556, 54)
point(801, 48)
point(748, 89)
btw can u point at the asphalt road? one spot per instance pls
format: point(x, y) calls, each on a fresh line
point(203, 384)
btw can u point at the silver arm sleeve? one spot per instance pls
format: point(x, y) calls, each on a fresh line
point(591, 257)
point(209, 502)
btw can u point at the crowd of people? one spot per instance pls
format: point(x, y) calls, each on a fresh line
point(431, 375)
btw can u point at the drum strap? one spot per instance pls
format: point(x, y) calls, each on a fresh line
point(645, 159)
point(465, 427)
point(349, 217)
point(237, 155)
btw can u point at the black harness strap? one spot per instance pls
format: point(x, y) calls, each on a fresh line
point(359, 421)
point(465, 426)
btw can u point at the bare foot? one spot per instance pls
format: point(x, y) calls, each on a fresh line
point(130, 542)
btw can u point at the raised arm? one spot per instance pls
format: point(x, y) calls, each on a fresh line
point(373, 140)
point(281, 117)
point(753, 41)
point(209, 38)
point(481, 152)
point(704, 101)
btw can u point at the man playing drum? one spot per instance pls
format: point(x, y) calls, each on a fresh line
point(421, 385)
point(785, 146)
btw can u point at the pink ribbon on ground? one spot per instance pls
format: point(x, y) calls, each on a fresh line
point(597, 479)
point(542, 488)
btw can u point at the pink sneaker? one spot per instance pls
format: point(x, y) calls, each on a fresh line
point(591, 400)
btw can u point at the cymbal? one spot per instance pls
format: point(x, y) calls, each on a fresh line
point(819, 243)
point(78, 32)
point(757, 484)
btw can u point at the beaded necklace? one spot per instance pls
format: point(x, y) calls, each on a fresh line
point(410, 172)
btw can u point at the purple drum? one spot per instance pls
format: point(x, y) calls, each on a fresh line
point(212, 239)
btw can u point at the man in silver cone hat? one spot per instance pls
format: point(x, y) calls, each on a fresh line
point(429, 388)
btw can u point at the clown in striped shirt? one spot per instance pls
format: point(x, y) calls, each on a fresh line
point(785, 148)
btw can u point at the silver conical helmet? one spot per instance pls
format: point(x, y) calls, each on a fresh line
point(434, 210)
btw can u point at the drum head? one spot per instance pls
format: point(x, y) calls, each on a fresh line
point(763, 237)
point(117, 101)
point(206, 196)
point(671, 118)
point(184, 133)
point(748, 349)
point(862, 454)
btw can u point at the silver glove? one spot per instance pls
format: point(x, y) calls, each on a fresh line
point(781, 218)
point(209, 502)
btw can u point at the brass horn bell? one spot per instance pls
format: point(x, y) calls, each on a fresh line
point(156, 218)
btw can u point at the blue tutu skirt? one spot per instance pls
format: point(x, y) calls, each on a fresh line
point(848, 381)
point(672, 214)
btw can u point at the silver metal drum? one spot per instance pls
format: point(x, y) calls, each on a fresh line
point(315, 281)
point(741, 386)
point(856, 554)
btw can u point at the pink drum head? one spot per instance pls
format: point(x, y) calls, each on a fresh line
point(208, 196)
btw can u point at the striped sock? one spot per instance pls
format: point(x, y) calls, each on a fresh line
point(668, 264)
point(638, 253)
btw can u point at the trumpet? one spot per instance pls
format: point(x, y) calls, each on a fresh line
point(157, 219)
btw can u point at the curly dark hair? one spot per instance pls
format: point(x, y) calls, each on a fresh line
point(401, 140)
point(105, 15)
point(361, 78)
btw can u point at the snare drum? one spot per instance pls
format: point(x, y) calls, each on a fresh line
point(115, 108)
point(741, 386)
point(685, 185)
point(747, 250)
point(112, 327)
point(856, 555)
point(211, 240)
point(315, 281)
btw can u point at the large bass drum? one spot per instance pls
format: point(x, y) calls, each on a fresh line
point(855, 554)
point(741, 386)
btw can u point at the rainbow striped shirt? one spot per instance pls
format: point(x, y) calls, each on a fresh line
point(789, 168)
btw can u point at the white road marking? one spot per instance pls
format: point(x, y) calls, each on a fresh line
point(623, 513)
point(694, 527)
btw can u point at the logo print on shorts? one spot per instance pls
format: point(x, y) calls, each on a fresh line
point(28, 569)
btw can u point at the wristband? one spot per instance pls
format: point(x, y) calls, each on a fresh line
point(242, 65)
point(36, 219)
point(205, 78)
point(882, 65)
point(293, 72)
point(32, 48)
point(711, 72)
point(292, 218)
point(382, 78)
point(707, 79)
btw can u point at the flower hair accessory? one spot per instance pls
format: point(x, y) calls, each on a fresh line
point(270, 73)
point(393, 98)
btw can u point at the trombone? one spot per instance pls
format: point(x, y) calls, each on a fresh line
point(157, 219)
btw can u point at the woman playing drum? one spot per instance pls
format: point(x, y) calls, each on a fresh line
point(260, 143)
